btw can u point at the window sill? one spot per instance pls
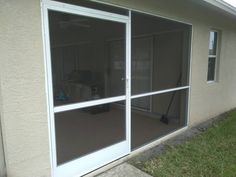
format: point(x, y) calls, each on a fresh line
point(211, 82)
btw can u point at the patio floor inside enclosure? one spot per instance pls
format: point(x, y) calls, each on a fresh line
point(88, 63)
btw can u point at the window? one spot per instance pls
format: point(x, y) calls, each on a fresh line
point(212, 56)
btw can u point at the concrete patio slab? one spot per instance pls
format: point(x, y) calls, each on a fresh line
point(124, 170)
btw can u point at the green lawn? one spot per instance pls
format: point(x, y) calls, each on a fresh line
point(210, 154)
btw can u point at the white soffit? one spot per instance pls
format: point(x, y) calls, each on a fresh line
point(223, 5)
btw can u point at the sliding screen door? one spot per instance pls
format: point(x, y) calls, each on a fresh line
point(88, 89)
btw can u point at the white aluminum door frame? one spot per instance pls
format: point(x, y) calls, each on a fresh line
point(2, 155)
point(106, 155)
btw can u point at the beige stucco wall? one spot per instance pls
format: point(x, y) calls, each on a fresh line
point(23, 101)
point(23, 110)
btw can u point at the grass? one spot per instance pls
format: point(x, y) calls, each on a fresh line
point(210, 154)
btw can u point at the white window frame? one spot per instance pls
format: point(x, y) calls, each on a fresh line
point(216, 56)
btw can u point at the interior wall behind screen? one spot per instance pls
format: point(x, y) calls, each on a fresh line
point(167, 64)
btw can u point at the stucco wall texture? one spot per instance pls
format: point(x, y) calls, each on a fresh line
point(22, 78)
point(23, 97)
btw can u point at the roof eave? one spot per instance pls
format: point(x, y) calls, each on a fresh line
point(222, 5)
